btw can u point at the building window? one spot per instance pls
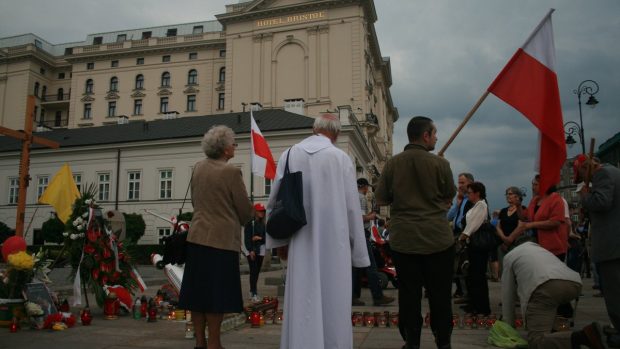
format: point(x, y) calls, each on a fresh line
point(77, 178)
point(165, 58)
point(36, 89)
point(87, 111)
point(133, 185)
point(43, 92)
point(114, 64)
point(163, 105)
point(42, 71)
point(192, 77)
point(139, 82)
point(61, 94)
point(38, 44)
point(137, 107)
point(191, 103)
point(121, 37)
point(36, 110)
point(267, 186)
point(220, 101)
point(97, 40)
point(111, 109)
point(42, 114)
point(165, 184)
point(165, 79)
point(162, 233)
point(146, 35)
point(42, 182)
point(198, 29)
point(193, 55)
point(222, 74)
point(222, 53)
point(61, 76)
point(89, 86)
point(58, 119)
point(140, 61)
point(90, 65)
point(171, 32)
point(13, 190)
point(103, 186)
point(114, 84)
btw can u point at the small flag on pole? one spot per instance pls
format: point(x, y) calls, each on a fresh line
point(262, 160)
point(61, 193)
point(529, 84)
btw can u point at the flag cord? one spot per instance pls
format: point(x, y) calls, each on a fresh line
point(467, 117)
point(30, 223)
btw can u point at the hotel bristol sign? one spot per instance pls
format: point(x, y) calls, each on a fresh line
point(304, 17)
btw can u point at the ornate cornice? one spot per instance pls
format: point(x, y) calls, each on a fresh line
point(87, 98)
point(191, 89)
point(138, 94)
point(112, 95)
point(164, 92)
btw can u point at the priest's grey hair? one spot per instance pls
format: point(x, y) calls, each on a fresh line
point(327, 123)
point(218, 138)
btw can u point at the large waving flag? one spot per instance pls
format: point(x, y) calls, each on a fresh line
point(262, 160)
point(61, 193)
point(529, 84)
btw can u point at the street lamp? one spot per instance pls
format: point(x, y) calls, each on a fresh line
point(571, 129)
point(589, 87)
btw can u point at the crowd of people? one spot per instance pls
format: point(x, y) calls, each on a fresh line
point(432, 222)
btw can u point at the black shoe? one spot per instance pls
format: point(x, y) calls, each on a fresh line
point(383, 300)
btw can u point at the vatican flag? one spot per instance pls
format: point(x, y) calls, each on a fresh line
point(61, 193)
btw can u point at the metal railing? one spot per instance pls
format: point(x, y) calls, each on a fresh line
point(56, 97)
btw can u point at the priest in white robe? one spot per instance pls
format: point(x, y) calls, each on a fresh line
point(317, 300)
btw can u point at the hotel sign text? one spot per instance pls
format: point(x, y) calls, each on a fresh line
point(305, 17)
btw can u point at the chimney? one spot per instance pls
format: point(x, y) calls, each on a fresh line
point(170, 115)
point(346, 115)
point(256, 106)
point(294, 105)
point(122, 120)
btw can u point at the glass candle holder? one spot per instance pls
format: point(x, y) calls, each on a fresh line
point(469, 322)
point(369, 319)
point(382, 319)
point(278, 317)
point(394, 319)
point(427, 320)
point(189, 330)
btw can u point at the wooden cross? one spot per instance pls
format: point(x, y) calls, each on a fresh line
point(27, 139)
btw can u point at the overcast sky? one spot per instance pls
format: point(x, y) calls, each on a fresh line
point(444, 55)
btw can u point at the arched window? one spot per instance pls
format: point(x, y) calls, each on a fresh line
point(192, 77)
point(89, 86)
point(165, 79)
point(222, 74)
point(36, 89)
point(139, 82)
point(60, 94)
point(43, 92)
point(114, 84)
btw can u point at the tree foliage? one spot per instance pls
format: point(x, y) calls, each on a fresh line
point(52, 230)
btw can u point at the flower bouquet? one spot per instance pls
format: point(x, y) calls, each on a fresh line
point(35, 313)
point(19, 272)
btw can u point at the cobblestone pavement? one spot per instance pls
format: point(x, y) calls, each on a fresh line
point(129, 333)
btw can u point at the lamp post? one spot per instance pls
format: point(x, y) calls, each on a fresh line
point(589, 87)
point(571, 129)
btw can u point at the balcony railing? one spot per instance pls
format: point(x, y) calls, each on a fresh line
point(56, 97)
point(53, 123)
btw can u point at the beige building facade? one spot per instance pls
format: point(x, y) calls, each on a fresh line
point(305, 57)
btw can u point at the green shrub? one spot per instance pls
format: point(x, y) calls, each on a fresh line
point(135, 226)
point(5, 232)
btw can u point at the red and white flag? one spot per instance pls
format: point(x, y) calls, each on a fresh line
point(262, 160)
point(529, 84)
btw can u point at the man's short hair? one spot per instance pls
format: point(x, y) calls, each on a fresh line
point(417, 126)
point(327, 122)
point(467, 175)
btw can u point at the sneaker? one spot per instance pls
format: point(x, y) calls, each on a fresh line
point(383, 300)
point(594, 335)
point(255, 298)
point(357, 302)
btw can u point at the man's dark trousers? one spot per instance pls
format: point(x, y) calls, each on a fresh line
point(371, 274)
point(434, 272)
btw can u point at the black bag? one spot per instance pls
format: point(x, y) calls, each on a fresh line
point(485, 238)
point(288, 214)
point(175, 246)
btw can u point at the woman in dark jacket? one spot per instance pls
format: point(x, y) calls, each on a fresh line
point(211, 281)
point(254, 242)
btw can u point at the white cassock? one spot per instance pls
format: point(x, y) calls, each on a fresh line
point(317, 300)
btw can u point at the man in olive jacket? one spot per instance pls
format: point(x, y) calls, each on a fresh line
point(419, 187)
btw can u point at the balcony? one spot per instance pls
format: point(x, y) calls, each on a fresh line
point(57, 99)
point(56, 123)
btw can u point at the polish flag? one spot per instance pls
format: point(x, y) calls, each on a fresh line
point(529, 84)
point(262, 160)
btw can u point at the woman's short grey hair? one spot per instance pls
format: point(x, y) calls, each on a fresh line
point(218, 138)
point(516, 191)
point(327, 122)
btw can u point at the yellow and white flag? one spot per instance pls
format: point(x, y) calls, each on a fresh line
point(61, 193)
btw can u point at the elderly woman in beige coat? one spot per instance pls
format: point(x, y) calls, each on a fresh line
point(211, 282)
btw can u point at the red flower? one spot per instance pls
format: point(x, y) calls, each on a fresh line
point(88, 249)
point(51, 319)
point(104, 280)
point(106, 253)
point(95, 274)
point(91, 235)
point(70, 321)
